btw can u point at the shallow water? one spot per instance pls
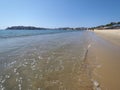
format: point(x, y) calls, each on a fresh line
point(45, 62)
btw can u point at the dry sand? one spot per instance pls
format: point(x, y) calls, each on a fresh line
point(105, 59)
point(110, 35)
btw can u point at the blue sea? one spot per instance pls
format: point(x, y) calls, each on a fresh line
point(42, 59)
point(20, 33)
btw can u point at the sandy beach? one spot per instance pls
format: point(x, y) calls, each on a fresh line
point(110, 35)
point(106, 50)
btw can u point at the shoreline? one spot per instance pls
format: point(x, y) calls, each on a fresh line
point(104, 60)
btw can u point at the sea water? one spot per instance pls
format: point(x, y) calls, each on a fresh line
point(43, 60)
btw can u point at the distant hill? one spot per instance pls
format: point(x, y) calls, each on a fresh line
point(25, 28)
point(112, 25)
point(38, 28)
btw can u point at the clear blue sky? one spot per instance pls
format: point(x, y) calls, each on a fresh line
point(58, 13)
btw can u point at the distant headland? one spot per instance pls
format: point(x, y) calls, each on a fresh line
point(24, 28)
point(112, 25)
point(39, 28)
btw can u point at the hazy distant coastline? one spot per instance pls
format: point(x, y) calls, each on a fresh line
point(112, 25)
point(24, 28)
point(39, 28)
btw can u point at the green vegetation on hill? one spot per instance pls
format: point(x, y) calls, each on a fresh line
point(38, 28)
point(24, 28)
point(112, 25)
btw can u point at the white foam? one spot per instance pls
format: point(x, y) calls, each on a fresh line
point(7, 76)
point(96, 85)
point(20, 86)
point(3, 81)
point(40, 57)
point(15, 70)
point(2, 88)
point(89, 46)
point(38, 88)
point(10, 64)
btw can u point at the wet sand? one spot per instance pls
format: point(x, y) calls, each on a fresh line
point(106, 50)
